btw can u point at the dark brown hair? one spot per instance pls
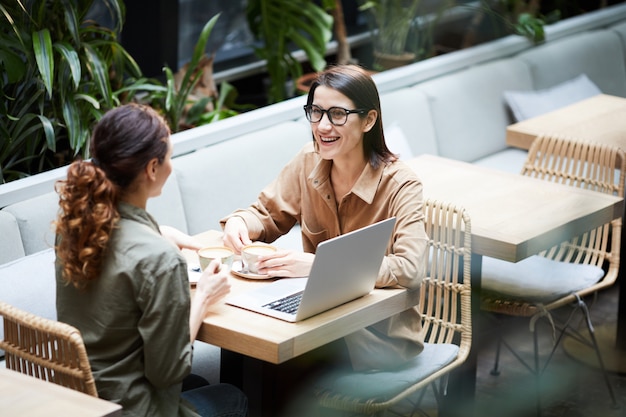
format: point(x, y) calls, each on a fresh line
point(355, 83)
point(122, 144)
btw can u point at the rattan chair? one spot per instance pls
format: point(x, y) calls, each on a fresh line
point(445, 309)
point(46, 349)
point(567, 273)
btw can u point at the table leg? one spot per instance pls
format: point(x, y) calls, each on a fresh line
point(254, 377)
point(460, 400)
point(266, 385)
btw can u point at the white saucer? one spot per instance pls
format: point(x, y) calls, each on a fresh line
point(238, 270)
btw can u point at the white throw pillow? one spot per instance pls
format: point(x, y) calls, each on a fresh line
point(536, 278)
point(397, 142)
point(527, 104)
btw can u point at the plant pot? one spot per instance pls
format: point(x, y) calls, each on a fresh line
point(303, 84)
point(390, 61)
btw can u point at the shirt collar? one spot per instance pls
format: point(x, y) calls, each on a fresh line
point(365, 186)
point(134, 213)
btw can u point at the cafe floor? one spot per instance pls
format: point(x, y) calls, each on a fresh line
point(569, 388)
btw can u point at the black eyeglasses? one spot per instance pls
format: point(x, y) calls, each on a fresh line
point(336, 115)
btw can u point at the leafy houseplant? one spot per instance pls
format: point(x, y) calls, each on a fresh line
point(281, 24)
point(174, 99)
point(518, 17)
point(59, 72)
point(392, 22)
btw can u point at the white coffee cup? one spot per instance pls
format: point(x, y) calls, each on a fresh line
point(225, 255)
point(250, 255)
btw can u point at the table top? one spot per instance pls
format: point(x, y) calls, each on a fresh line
point(26, 396)
point(513, 216)
point(599, 119)
point(277, 341)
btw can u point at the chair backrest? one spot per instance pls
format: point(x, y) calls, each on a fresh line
point(591, 166)
point(445, 308)
point(445, 295)
point(46, 349)
point(577, 163)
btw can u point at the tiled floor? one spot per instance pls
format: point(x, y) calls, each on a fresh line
point(569, 388)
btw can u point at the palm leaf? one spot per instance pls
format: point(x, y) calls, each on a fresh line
point(72, 60)
point(42, 46)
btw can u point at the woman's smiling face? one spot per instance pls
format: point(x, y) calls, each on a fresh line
point(338, 142)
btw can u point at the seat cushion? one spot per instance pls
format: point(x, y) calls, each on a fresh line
point(29, 284)
point(597, 53)
point(510, 160)
point(384, 385)
point(536, 278)
point(223, 177)
point(10, 239)
point(468, 108)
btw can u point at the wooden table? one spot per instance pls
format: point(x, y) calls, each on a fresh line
point(513, 217)
point(254, 345)
point(601, 119)
point(26, 396)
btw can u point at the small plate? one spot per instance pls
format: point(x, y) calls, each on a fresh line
point(237, 269)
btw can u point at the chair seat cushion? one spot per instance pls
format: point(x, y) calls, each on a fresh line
point(536, 278)
point(28, 283)
point(383, 385)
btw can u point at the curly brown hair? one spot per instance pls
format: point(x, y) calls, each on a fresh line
point(124, 141)
point(85, 222)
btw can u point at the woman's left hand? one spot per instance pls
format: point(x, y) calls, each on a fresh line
point(286, 263)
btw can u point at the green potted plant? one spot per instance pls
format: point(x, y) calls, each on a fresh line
point(402, 30)
point(391, 24)
point(59, 72)
point(514, 16)
point(282, 25)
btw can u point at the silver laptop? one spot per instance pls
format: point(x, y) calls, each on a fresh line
point(345, 268)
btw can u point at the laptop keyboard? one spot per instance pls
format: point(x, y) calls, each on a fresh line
point(287, 304)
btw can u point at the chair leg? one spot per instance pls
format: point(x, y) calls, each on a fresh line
point(596, 348)
point(537, 371)
point(496, 365)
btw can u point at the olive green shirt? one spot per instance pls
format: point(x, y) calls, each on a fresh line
point(134, 319)
point(303, 193)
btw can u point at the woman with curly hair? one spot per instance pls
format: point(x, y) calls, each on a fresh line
point(123, 284)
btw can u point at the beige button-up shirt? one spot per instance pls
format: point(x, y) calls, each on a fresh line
point(303, 193)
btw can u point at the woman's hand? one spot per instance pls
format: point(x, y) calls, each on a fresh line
point(180, 239)
point(213, 284)
point(236, 234)
point(286, 263)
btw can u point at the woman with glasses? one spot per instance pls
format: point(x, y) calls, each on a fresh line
point(345, 179)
